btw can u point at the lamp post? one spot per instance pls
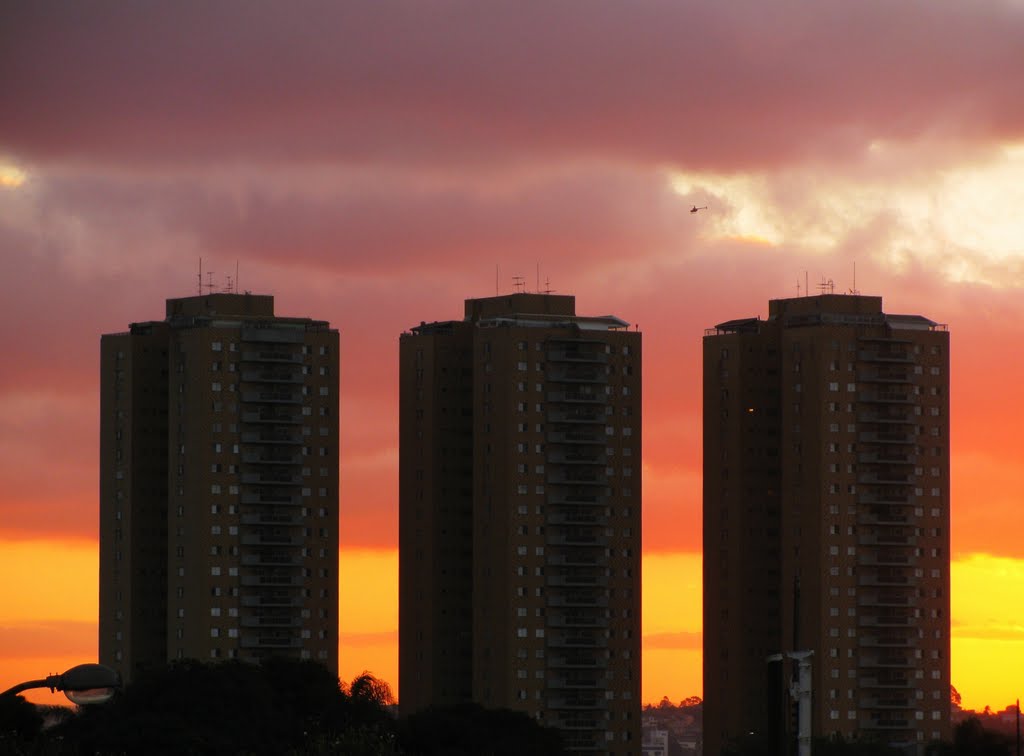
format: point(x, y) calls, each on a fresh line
point(83, 684)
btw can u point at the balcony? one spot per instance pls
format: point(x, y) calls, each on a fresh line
point(885, 477)
point(271, 479)
point(887, 456)
point(886, 437)
point(887, 723)
point(583, 660)
point(886, 619)
point(571, 581)
point(883, 376)
point(581, 724)
point(579, 498)
point(271, 376)
point(884, 355)
point(272, 397)
point(275, 499)
point(579, 373)
point(892, 639)
point(276, 418)
point(285, 619)
point(885, 679)
point(562, 436)
point(576, 397)
point(886, 702)
point(885, 419)
point(271, 518)
point(885, 577)
point(267, 458)
point(576, 355)
point(273, 579)
point(271, 599)
point(887, 598)
point(895, 659)
point(577, 477)
point(272, 559)
point(577, 639)
point(582, 516)
point(887, 539)
point(271, 539)
point(270, 640)
point(271, 437)
point(576, 539)
point(888, 557)
point(272, 355)
point(578, 599)
point(570, 701)
point(579, 741)
point(587, 455)
point(577, 415)
point(576, 619)
point(576, 557)
point(885, 397)
point(581, 681)
point(895, 495)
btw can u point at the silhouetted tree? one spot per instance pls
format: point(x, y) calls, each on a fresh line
point(279, 707)
point(971, 737)
point(20, 724)
point(471, 730)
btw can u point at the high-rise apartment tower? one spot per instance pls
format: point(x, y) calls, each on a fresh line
point(520, 491)
point(219, 486)
point(826, 523)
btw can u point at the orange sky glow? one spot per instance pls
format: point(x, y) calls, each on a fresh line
point(376, 164)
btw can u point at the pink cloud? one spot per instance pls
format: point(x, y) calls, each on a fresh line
point(722, 85)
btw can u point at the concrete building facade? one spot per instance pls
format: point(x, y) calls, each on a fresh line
point(520, 517)
point(826, 523)
point(218, 486)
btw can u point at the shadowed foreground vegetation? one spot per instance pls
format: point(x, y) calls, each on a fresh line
point(278, 708)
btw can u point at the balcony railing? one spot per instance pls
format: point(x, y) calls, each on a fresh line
point(272, 355)
point(576, 355)
point(883, 355)
point(576, 437)
point(276, 418)
point(271, 376)
point(576, 396)
point(272, 397)
point(271, 437)
point(270, 641)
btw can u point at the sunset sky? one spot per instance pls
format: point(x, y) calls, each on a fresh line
point(374, 164)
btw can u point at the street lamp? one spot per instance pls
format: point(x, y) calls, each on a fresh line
point(84, 684)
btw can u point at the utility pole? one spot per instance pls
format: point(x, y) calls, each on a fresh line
point(800, 690)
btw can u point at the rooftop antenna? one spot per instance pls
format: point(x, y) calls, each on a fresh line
point(854, 289)
point(518, 284)
point(538, 277)
point(199, 288)
point(826, 286)
point(210, 285)
point(798, 287)
point(547, 286)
